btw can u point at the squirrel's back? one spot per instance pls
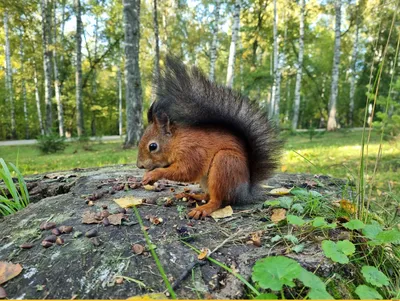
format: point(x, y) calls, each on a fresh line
point(188, 98)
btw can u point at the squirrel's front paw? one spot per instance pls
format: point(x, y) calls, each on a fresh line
point(203, 211)
point(149, 178)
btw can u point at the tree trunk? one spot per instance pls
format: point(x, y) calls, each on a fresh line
point(46, 33)
point(23, 85)
point(119, 100)
point(37, 97)
point(94, 78)
point(296, 105)
point(57, 88)
point(213, 49)
point(134, 126)
point(353, 73)
point(335, 70)
point(275, 95)
point(78, 71)
point(232, 49)
point(9, 81)
point(156, 71)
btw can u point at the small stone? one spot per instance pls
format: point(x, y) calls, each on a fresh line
point(56, 231)
point(184, 199)
point(122, 210)
point(137, 249)
point(119, 280)
point(98, 216)
point(51, 238)
point(46, 244)
point(105, 213)
point(66, 229)
point(3, 293)
point(106, 222)
point(47, 225)
point(91, 233)
point(90, 203)
point(59, 241)
point(26, 246)
point(104, 207)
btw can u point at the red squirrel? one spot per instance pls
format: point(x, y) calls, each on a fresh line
point(202, 132)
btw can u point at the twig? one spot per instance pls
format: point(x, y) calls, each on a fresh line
point(186, 272)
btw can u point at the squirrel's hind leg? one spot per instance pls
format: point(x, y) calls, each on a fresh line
point(227, 172)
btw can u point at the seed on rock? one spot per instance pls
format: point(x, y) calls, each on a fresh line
point(90, 203)
point(46, 244)
point(91, 233)
point(106, 222)
point(47, 225)
point(51, 238)
point(105, 213)
point(137, 249)
point(56, 231)
point(59, 241)
point(26, 246)
point(3, 293)
point(66, 229)
point(95, 241)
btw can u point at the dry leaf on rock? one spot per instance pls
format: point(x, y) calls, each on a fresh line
point(116, 219)
point(149, 187)
point(221, 213)
point(278, 215)
point(8, 271)
point(205, 252)
point(346, 206)
point(280, 191)
point(90, 218)
point(128, 201)
point(152, 296)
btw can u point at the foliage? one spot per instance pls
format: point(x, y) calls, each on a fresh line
point(367, 293)
point(51, 143)
point(374, 276)
point(19, 195)
point(354, 224)
point(339, 251)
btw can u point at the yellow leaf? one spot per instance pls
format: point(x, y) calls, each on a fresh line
point(153, 296)
point(266, 186)
point(221, 213)
point(8, 271)
point(149, 187)
point(205, 252)
point(278, 215)
point(280, 191)
point(348, 206)
point(128, 201)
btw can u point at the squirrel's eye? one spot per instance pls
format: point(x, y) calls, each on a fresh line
point(153, 146)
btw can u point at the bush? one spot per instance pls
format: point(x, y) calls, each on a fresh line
point(51, 143)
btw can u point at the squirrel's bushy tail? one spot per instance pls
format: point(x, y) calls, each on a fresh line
point(189, 98)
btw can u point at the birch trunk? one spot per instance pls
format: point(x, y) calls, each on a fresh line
point(335, 69)
point(275, 95)
point(9, 81)
point(213, 49)
point(37, 98)
point(78, 71)
point(57, 86)
point(119, 101)
point(94, 77)
point(134, 126)
point(23, 85)
point(353, 74)
point(46, 34)
point(156, 71)
point(297, 89)
point(232, 49)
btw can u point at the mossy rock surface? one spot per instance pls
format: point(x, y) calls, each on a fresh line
point(84, 270)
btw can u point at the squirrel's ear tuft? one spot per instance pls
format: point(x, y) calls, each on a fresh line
point(161, 121)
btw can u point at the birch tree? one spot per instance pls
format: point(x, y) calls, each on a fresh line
point(57, 85)
point(23, 84)
point(297, 89)
point(37, 98)
point(275, 91)
point(213, 49)
point(335, 69)
point(9, 81)
point(119, 78)
point(232, 49)
point(133, 86)
point(156, 72)
point(353, 72)
point(78, 70)
point(46, 36)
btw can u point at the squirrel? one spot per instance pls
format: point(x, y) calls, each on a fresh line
point(199, 131)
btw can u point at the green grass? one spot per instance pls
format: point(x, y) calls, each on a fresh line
point(335, 154)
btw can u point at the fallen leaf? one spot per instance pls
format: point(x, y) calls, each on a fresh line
point(90, 218)
point(128, 201)
point(116, 219)
point(266, 186)
point(204, 253)
point(280, 191)
point(278, 215)
point(256, 238)
point(311, 183)
point(221, 213)
point(152, 296)
point(149, 187)
point(8, 271)
point(155, 220)
point(348, 206)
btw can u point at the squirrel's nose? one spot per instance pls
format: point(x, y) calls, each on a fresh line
point(140, 165)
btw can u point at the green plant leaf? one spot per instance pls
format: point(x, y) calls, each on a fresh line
point(318, 287)
point(373, 276)
point(274, 272)
point(319, 222)
point(367, 293)
point(266, 297)
point(389, 236)
point(298, 248)
point(298, 207)
point(271, 203)
point(276, 238)
point(295, 220)
point(338, 252)
point(372, 230)
point(285, 202)
point(293, 239)
point(354, 224)
point(316, 294)
point(305, 194)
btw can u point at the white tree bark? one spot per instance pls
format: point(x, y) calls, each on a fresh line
point(57, 86)
point(119, 75)
point(37, 98)
point(275, 91)
point(94, 76)
point(353, 73)
point(9, 81)
point(156, 72)
point(23, 84)
point(134, 125)
point(213, 49)
point(46, 34)
point(232, 49)
point(297, 89)
point(78, 70)
point(335, 70)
